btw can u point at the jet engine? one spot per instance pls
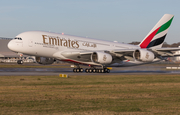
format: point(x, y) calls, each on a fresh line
point(101, 57)
point(44, 60)
point(143, 55)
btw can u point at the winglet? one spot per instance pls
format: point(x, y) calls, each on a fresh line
point(156, 36)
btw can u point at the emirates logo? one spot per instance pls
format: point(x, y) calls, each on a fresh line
point(104, 58)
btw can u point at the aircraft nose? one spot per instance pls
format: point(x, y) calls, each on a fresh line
point(10, 45)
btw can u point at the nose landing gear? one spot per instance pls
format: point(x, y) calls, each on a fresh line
point(19, 61)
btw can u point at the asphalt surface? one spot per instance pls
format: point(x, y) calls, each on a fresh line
point(145, 69)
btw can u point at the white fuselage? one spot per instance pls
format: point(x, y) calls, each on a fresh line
point(52, 45)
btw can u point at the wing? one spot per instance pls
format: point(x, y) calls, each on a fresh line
point(118, 55)
point(166, 52)
point(123, 54)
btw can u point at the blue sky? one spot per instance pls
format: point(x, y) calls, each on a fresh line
point(113, 20)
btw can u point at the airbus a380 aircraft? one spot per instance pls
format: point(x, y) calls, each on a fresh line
point(48, 47)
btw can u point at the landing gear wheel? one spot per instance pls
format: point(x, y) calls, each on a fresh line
point(105, 70)
point(102, 70)
point(86, 70)
point(20, 61)
point(108, 71)
point(81, 69)
point(90, 70)
point(77, 70)
point(74, 70)
point(94, 70)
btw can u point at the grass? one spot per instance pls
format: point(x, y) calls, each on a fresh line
point(79, 95)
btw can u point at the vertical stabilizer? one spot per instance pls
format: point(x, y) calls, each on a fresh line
point(156, 36)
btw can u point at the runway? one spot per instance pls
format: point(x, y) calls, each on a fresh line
point(71, 73)
point(148, 69)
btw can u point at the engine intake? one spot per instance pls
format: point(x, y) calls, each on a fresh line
point(101, 57)
point(44, 60)
point(143, 55)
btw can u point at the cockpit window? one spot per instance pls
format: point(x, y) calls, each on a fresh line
point(18, 38)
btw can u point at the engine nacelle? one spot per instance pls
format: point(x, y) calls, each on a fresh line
point(143, 55)
point(44, 60)
point(101, 57)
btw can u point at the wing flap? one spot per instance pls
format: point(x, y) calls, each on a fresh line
point(80, 56)
point(123, 54)
point(166, 51)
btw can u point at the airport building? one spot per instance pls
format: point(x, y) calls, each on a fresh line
point(7, 55)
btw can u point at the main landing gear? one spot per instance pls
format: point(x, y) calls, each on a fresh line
point(91, 70)
point(94, 70)
point(20, 62)
point(77, 70)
